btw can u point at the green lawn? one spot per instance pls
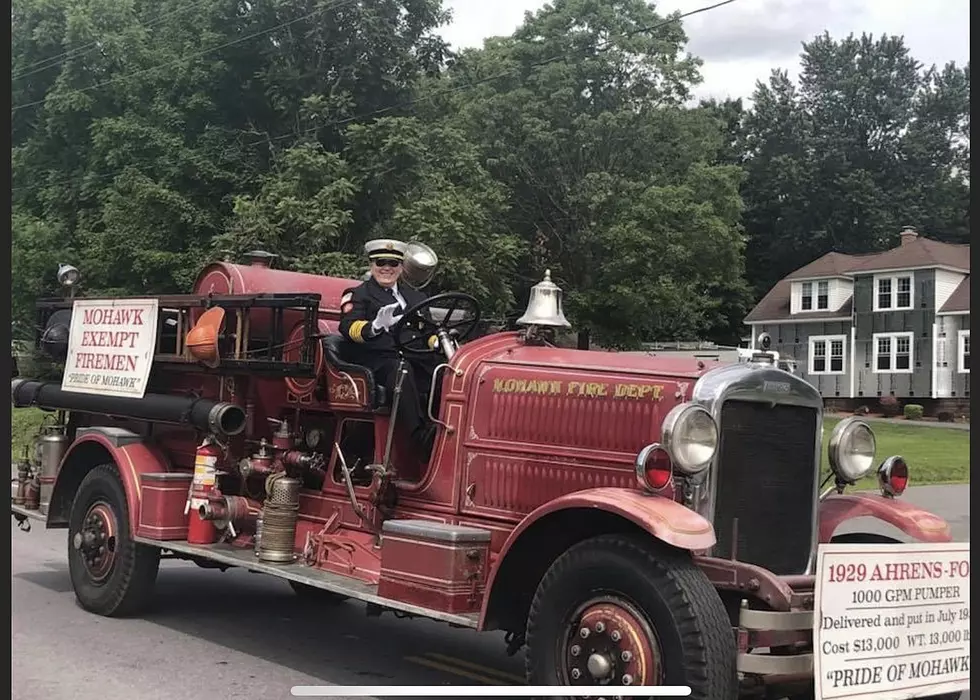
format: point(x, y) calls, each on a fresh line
point(934, 455)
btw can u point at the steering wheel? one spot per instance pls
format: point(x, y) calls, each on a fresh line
point(417, 320)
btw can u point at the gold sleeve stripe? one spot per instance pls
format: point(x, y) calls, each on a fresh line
point(433, 341)
point(356, 329)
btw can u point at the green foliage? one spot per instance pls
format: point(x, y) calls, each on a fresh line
point(913, 411)
point(866, 143)
point(151, 138)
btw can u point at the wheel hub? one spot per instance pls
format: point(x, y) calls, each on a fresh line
point(610, 643)
point(96, 541)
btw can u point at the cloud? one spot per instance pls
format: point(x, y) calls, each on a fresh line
point(743, 42)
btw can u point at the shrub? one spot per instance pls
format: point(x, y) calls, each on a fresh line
point(890, 406)
point(913, 411)
point(946, 417)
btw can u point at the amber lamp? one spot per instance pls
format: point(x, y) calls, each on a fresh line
point(202, 339)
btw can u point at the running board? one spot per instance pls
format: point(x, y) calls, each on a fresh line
point(335, 583)
point(22, 512)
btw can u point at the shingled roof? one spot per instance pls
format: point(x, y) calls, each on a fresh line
point(959, 300)
point(914, 251)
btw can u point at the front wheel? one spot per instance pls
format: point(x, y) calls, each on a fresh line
point(615, 611)
point(111, 574)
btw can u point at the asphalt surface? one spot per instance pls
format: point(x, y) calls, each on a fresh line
point(241, 635)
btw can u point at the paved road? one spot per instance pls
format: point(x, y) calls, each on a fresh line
point(242, 635)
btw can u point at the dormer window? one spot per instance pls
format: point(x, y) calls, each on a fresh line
point(893, 293)
point(822, 296)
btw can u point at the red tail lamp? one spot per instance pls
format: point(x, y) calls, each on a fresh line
point(654, 469)
point(893, 476)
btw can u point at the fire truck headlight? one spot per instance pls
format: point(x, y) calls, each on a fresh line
point(691, 437)
point(851, 450)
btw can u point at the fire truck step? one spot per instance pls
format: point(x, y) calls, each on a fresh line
point(39, 514)
point(245, 559)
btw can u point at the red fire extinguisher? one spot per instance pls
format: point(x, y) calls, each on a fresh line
point(200, 531)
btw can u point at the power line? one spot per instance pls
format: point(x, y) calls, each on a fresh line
point(88, 48)
point(491, 78)
point(435, 94)
point(335, 5)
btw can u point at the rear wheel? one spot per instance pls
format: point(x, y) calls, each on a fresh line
point(111, 574)
point(615, 611)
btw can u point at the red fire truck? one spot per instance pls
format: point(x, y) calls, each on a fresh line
point(629, 519)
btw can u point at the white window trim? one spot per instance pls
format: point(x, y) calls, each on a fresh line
point(828, 339)
point(894, 292)
point(894, 347)
point(814, 296)
point(960, 347)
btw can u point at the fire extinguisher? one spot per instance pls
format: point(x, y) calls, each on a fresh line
point(200, 531)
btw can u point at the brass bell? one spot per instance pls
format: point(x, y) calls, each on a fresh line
point(544, 305)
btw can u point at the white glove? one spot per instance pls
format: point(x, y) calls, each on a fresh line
point(386, 317)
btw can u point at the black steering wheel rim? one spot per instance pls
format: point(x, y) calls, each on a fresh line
point(429, 328)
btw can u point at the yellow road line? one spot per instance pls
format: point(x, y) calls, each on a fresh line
point(510, 677)
point(453, 670)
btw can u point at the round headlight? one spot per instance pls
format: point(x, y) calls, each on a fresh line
point(852, 449)
point(691, 437)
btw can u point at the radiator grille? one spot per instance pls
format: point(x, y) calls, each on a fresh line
point(766, 480)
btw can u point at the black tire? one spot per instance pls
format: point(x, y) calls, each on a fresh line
point(682, 619)
point(123, 584)
point(316, 595)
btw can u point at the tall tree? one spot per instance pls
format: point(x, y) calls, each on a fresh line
point(867, 142)
point(614, 183)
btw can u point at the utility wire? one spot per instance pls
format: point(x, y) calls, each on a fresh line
point(437, 93)
point(88, 48)
point(488, 79)
point(334, 5)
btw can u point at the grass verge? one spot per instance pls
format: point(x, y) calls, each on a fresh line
point(934, 455)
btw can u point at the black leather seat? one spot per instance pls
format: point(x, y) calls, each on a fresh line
point(334, 346)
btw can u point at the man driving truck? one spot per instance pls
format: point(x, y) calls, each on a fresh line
point(369, 312)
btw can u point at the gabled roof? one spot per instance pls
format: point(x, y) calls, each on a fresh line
point(913, 252)
point(918, 252)
point(775, 306)
point(959, 300)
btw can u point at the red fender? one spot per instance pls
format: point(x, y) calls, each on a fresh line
point(664, 519)
point(912, 520)
point(132, 457)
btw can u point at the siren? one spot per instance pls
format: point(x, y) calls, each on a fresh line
point(544, 306)
point(419, 264)
point(202, 339)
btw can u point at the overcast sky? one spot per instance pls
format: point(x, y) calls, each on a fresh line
point(742, 42)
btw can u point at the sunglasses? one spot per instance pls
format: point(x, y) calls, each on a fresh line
point(387, 262)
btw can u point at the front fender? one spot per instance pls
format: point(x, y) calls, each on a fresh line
point(95, 446)
point(912, 520)
point(662, 518)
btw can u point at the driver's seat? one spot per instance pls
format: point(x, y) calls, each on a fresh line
point(333, 346)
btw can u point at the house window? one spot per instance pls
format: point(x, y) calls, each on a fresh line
point(893, 352)
point(807, 300)
point(823, 295)
point(893, 293)
point(964, 352)
point(827, 354)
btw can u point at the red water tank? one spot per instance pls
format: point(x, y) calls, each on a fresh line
point(259, 278)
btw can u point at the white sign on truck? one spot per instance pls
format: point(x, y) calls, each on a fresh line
point(892, 621)
point(110, 346)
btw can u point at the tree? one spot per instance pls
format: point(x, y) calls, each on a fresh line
point(614, 184)
point(866, 143)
